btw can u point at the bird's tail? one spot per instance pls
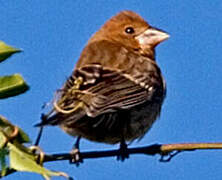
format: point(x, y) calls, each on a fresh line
point(45, 120)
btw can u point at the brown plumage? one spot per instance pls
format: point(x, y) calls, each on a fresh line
point(116, 90)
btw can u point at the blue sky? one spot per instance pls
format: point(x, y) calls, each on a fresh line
point(53, 33)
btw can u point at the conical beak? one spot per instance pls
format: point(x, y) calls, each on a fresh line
point(152, 37)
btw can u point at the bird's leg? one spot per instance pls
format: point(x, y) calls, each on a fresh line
point(39, 136)
point(123, 151)
point(76, 156)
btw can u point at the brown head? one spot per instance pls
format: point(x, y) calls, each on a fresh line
point(132, 31)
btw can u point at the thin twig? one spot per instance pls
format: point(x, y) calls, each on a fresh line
point(163, 150)
point(190, 146)
point(39, 136)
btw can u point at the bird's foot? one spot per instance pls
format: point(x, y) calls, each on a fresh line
point(123, 152)
point(76, 157)
point(75, 153)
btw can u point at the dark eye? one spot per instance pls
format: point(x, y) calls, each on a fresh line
point(129, 30)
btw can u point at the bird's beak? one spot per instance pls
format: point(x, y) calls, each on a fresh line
point(151, 37)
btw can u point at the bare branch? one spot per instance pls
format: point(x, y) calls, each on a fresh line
point(169, 150)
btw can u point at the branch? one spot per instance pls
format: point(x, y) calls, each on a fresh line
point(165, 150)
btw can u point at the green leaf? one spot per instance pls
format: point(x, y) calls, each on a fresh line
point(6, 51)
point(3, 139)
point(7, 129)
point(3, 154)
point(12, 85)
point(21, 160)
point(21, 157)
point(4, 167)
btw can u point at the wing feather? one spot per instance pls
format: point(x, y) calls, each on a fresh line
point(110, 91)
point(103, 91)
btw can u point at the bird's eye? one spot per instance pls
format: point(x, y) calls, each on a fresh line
point(129, 30)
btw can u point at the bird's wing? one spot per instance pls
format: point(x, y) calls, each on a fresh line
point(93, 90)
point(103, 90)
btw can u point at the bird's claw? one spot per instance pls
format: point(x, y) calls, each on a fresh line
point(123, 152)
point(76, 157)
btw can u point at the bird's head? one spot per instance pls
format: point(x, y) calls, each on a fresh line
point(132, 31)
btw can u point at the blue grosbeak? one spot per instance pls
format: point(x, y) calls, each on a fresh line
point(116, 90)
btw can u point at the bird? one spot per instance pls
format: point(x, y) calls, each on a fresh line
point(116, 90)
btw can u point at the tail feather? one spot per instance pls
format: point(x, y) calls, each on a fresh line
point(52, 120)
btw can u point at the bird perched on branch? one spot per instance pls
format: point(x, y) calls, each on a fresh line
point(116, 90)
